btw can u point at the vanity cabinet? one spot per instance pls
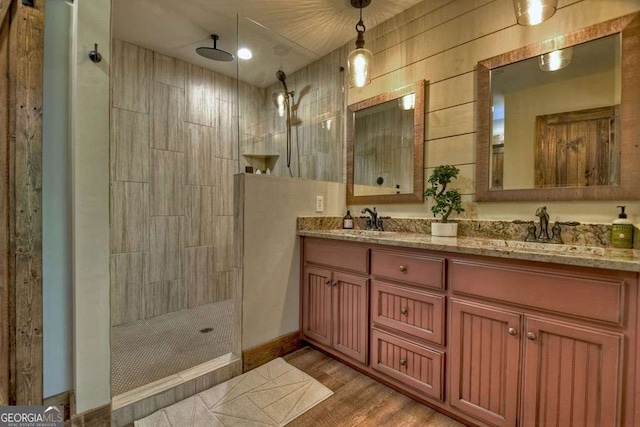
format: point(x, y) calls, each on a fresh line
point(335, 303)
point(492, 341)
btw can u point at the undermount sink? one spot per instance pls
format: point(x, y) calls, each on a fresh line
point(548, 247)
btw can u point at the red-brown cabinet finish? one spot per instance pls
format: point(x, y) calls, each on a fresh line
point(316, 304)
point(411, 364)
point(409, 310)
point(350, 315)
point(408, 266)
point(571, 375)
point(485, 354)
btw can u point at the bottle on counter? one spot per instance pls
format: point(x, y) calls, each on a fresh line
point(622, 231)
point(347, 221)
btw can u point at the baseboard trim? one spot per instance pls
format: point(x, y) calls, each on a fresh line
point(264, 353)
point(96, 417)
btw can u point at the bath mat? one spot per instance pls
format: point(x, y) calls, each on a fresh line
point(271, 395)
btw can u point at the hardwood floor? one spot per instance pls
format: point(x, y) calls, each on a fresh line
point(359, 400)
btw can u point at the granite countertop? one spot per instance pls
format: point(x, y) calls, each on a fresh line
point(586, 256)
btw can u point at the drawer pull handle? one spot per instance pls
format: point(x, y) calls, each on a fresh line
point(513, 331)
point(402, 268)
point(335, 283)
point(404, 310)
point(531, 336)
point(327, 282)
point(403, 362)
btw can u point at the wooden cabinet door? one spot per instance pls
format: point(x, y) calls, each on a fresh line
point(351, 315)
point(485, 357)
point(571, 375)
point(316, 305)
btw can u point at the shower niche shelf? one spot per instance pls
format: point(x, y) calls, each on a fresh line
point(261, 161)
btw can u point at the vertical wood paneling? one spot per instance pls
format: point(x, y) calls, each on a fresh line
point(485, 362)
point(201, 99)
point(131, 76)
point(571, 375)
point(167, 183)
point(128, 277)
point(200, 216)
point(199, 275)
point(350, 314)
point(167, 118)
point(129, 146)
point(166, 240)
point(201, 154)
point(316, 302)
point(129, 217)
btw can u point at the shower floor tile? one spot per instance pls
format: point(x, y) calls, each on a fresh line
point(148, 350)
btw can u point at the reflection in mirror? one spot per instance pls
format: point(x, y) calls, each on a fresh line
point(383, 148)
point(555, 118)
point(386, 147)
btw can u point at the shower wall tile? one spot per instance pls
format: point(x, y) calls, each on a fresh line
point(128, 275)
point(226, 88)
point(167, 113)
point(201, 152)
point(169, 71)
point(227, 130)
point(129, 217)
point(200, 215)
point(224, 284)
point(199, 276)
point(201, 96)
point(164, 297)
point(224, 197)
point(167, 182)
point(224, 243)
point(131, 76)
point(167, 243)
point(130, 146)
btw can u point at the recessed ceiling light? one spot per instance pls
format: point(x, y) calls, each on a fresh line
point(244, 53)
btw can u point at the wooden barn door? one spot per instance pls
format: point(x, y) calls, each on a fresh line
point(578, 148)
point(21, 75)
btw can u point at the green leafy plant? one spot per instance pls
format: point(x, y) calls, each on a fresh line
point(446, 201)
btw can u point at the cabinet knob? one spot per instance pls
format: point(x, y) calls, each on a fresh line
point(512, 331)
point(402, 268)
point(403, 362)
point(404, 310)
point(531, 336)
point(335, 283)
point(327, 282)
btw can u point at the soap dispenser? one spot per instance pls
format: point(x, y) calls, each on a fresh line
point(347, 221)
point(622, 231)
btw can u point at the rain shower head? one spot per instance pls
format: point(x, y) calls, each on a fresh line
point(213, 52)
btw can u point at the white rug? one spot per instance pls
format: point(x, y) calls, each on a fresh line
point(271, 395)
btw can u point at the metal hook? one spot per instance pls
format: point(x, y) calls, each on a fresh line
point(94, 55)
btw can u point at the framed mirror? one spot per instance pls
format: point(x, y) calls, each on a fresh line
point(385, 147)
point(558, 120)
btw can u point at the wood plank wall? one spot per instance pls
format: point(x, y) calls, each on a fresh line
point(441, 41)
point(174, 152)
point(21, 71)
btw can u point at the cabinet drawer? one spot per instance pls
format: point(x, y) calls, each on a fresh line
point(348, 257)
point(574, 294)
point(408, 310)
point(411, 267)
point(413, 365)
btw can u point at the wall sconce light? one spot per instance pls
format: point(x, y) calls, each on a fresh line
point(534, 12)
point(407, 102)
point(556, 60)
point(360, 59)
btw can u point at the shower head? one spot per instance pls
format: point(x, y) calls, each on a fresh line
point(213, 52)
point(280, 75)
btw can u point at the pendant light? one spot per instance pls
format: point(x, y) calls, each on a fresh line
point(556, 60)
point(360, 59)
point(534, 12)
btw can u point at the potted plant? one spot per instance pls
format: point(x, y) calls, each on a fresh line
point(445, 201)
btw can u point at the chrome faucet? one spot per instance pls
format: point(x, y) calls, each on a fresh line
point(541, 234)
point(372, 221)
